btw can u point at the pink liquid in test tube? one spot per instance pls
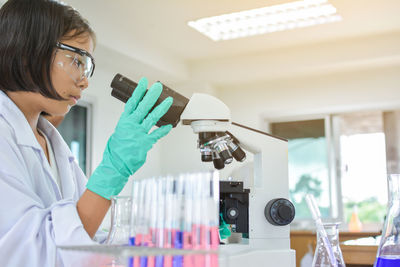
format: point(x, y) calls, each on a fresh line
point(198, 239)
point(214, 240)
point(168, 244)
point(187, 244)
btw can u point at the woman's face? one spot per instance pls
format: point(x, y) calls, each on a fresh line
point(66, 77)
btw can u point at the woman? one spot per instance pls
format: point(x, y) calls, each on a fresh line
point(45, 64)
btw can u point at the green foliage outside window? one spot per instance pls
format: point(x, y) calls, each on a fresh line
point(307, 185)
point(369, 210)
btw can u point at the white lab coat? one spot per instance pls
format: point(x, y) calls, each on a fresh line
point(34, 216)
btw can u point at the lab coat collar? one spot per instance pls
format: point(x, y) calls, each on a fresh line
point(25, 137)
point(23, 131)
point(16, 119)
point(57, 142)
point(62, 155)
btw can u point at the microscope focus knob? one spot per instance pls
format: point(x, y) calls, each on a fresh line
point(279, 211)
point(232, 213)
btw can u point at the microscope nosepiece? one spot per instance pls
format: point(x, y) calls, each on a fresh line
point(219, 147)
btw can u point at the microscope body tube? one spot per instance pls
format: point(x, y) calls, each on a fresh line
point(123, 89)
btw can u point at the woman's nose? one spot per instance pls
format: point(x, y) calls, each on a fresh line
point(84, 83)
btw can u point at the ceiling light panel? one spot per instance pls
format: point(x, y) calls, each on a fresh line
point(267, 19)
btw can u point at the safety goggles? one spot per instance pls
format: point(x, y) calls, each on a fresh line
point(77, 62)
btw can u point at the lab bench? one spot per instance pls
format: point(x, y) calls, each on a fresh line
point(354, 255)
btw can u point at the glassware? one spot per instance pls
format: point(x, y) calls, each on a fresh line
point(355, 224)
point(321, 232)
point(389, 248)
point(120, 220)
point(321, 258)
point(176, 213)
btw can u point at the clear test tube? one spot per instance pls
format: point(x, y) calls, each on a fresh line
point(136, 194)
point(144, 235)
point(160, 218)
point(152, 218)
point(206, 217)
point(140, 225)
point(178, 218)
point(198, 216)
point(188, 199)
point(134, 214)
point(168, 206)
point(212, 217)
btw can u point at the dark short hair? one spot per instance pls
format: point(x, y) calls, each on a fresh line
point(29, 32)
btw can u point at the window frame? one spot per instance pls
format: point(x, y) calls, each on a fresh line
point(89, 138)
point(333, 165)
point(89, 129)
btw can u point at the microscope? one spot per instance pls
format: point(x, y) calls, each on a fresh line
point(262, 213)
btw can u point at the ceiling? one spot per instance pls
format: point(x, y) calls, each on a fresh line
point(155, 33)
point(163, 24)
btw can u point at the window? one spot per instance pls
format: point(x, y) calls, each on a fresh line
point(308, 163)
point(361, 153)
point(342, 159)
point(76, 131)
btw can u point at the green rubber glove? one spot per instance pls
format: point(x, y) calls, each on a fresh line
point(224, 229)
point(127, 147)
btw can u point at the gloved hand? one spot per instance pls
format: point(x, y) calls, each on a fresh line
point(224, 229)
point(127, 147)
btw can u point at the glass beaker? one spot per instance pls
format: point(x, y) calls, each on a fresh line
point(321, 258)
point(389, 248)
point(120, 220)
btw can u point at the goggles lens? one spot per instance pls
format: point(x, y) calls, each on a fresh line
point(76, 62)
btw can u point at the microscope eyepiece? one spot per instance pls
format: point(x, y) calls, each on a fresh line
point(122, 89)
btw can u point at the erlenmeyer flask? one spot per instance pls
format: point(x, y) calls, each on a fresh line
point(321, 258)
point(120, 220)
point(389, 249)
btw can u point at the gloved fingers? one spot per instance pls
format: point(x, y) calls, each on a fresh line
point(160, 132)
point(147, 102)
point(156, 114)
point(136, 97)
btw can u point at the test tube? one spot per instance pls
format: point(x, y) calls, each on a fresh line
point(188, 218)
point(136, 191)
point(213, 216)
point(160, 219)
point(179, 222)
point(198, 227)
point(152, 219)
point(169, 187)
point(144, 236)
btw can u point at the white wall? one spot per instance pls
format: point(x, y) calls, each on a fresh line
point(368, 89)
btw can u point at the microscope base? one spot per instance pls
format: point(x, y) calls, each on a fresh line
point(239, 255)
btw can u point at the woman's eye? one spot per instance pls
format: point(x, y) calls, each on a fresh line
point(77, 62)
